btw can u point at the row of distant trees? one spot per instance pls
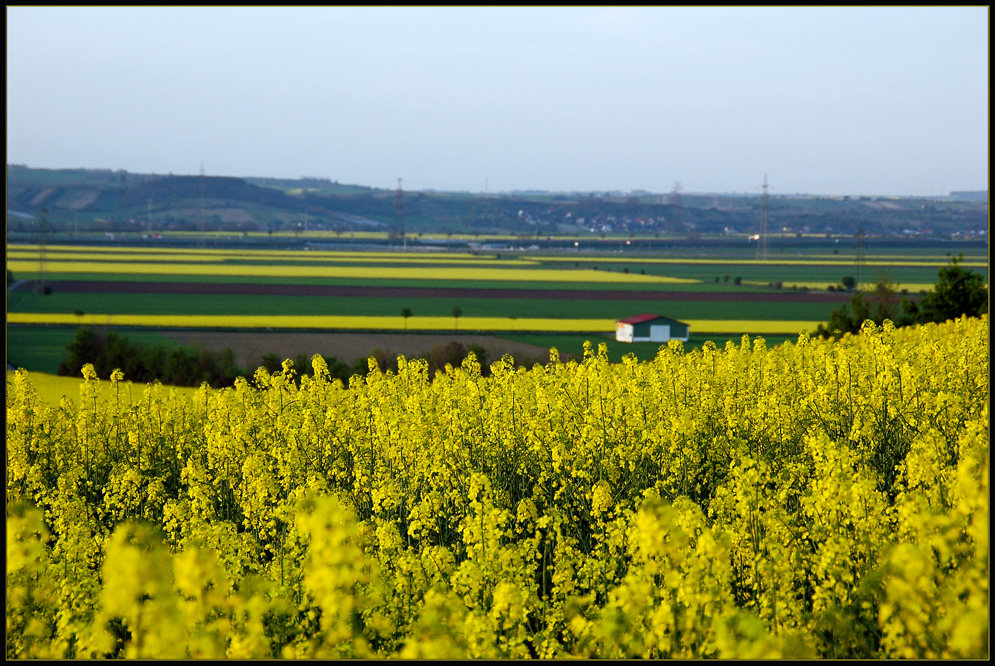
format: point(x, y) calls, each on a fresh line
point(182, 366)
point(141, 363)
point(457, 313)
point(958, 291)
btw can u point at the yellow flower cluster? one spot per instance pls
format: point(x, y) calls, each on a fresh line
point(825, 498)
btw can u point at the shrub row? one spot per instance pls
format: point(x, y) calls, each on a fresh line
point(181, 366)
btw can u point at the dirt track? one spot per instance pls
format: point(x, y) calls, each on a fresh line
point(447, 292)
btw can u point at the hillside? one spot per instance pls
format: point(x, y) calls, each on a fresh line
point(106, 200)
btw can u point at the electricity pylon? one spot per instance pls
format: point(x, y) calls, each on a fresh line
point(762, 240)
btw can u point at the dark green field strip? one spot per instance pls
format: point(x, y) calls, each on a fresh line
point(368, 291)
point(42, 348)
point(37, 348)
point(428, 284)
point(213, 304)
point(822, 275)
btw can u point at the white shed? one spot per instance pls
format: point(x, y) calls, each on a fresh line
point(651, 328)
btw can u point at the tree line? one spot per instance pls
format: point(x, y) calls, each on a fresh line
point(182, 366)
point(958, 291)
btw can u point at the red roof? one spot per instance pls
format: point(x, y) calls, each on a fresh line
point(638, 319)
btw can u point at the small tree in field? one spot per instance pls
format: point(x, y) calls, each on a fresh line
point(456, 315)
point(877, 305)
point(958, 291)
point(405, 312)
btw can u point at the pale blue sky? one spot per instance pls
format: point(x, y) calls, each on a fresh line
point(824, 100)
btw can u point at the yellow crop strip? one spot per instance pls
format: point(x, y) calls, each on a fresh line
point(457, 274)
point(32, 250)
point(52, 388)
point(911, 287)
point(336, 322)
point(31, 253)
point(749, 326)
point(327, 322)
point(300, 258)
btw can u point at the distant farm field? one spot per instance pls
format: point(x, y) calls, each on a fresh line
point(461, 273)
point(628, 270)
point(521, 296)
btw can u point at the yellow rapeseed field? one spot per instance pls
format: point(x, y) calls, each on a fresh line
point(822, 499)
point(52, 388)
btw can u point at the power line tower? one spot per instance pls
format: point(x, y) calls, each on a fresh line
point(304, 211)
point(399, 214)
point(201, 226)
point(860, 258)
point(762, 240)
point(677, 202)
point(42, 239)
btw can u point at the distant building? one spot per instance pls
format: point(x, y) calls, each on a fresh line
point(651, 328)
point(974, 195)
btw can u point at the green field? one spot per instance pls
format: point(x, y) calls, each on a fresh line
point(267, 304)
point(42, 348)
